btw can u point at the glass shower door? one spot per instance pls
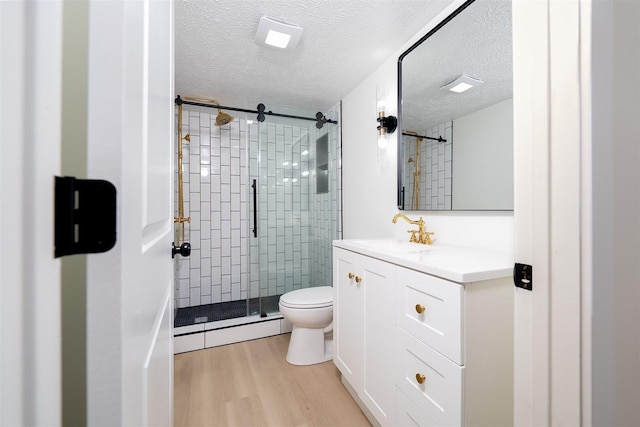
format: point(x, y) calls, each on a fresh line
point(283, 186)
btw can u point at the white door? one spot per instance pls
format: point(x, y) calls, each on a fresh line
point(130, 288)
point(30, 71)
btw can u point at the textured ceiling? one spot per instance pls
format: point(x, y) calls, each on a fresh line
point(477, 42)
point(343, 43)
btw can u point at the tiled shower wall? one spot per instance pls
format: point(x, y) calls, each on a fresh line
point(295, 225)
point(436, 169)
point(213, 165)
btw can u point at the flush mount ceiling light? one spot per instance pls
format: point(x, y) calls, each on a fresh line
point(274, 33)
point(462, 83)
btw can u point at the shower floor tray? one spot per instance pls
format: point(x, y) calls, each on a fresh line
point(226, 310)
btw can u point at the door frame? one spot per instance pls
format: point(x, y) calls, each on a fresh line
point(551, 120)
point(31, 64)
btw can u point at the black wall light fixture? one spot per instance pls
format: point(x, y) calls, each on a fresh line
point(387, 125)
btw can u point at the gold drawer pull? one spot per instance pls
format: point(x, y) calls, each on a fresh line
point(420, 378)
point(351, 275)
point(420, 308)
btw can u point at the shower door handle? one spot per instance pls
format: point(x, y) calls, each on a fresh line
point(255, 208)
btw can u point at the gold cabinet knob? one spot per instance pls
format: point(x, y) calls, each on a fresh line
point(420, 378)
point(358, 278)
point(420, 308)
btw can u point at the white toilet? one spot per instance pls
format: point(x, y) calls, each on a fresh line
point(310, 311)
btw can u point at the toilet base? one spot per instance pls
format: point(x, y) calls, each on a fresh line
point(310, 346)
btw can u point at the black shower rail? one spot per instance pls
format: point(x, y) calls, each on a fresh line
point(320, 118)
point(439, 139)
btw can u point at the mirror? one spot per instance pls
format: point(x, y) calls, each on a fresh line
point(455, 150)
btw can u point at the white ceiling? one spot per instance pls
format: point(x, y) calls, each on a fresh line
point(343, 43)
point(478, 43)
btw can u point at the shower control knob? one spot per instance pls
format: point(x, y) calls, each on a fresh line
point(184, 249)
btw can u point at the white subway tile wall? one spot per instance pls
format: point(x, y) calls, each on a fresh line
point(435, 169)
point(295, 226)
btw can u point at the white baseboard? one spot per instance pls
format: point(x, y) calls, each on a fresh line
point(185, 343)
point(241, 333)
point(198, 337)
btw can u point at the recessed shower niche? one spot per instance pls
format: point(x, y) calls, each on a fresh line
point(252, 243)
point(322, 164)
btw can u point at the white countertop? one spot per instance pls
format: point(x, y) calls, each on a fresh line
point(462, 265)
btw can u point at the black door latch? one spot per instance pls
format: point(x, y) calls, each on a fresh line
point(523, 276)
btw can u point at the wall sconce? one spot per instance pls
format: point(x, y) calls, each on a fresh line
point(387, 125)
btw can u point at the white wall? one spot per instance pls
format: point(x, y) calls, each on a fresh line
point(483, 158)
point(370, 177)
point(615, 312)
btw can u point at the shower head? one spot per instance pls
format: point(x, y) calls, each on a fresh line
point(223, 118)
point(410, 160)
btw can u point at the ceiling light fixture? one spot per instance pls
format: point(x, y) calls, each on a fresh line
point(274, 33)
point(462, 83)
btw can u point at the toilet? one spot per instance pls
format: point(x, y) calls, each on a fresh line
point(310, 311)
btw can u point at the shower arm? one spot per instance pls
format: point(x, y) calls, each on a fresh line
point(180, 219)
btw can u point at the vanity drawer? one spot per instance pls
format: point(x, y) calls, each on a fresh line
point(431, 309)
point(438, 391)
point(409, 414)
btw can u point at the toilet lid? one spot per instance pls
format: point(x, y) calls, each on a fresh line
point(320, 296)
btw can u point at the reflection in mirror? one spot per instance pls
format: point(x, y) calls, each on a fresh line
point(455, 151)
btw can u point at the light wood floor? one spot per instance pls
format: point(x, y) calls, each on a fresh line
point(251, 384)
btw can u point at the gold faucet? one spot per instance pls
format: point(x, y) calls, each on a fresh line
point(419, 235)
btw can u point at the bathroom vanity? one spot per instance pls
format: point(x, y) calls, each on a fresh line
point(423, 335)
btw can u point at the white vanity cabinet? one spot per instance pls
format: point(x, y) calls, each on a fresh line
point(363, 329)
point(417, 349)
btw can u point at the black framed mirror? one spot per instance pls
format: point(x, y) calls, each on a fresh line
point(455, 148)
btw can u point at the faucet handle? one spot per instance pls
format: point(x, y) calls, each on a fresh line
point(414, 237)
point(427, 237)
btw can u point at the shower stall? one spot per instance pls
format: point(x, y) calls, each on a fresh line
point(262, 202)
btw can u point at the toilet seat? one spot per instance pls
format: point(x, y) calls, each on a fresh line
point(316, 297)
